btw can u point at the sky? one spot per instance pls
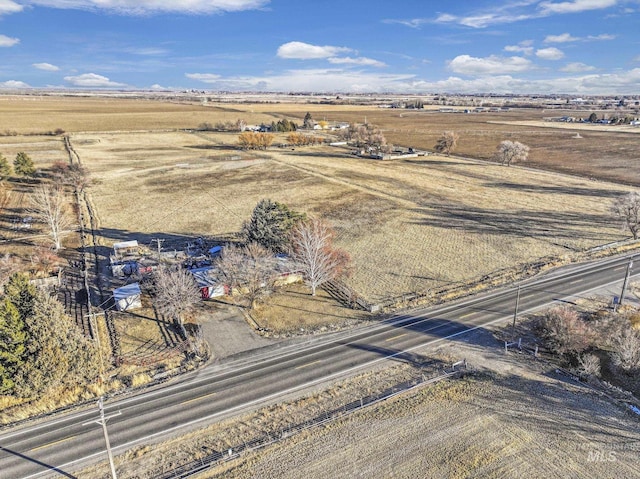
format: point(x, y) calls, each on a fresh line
point(579, 47)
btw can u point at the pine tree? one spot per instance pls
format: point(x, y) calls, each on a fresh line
point(270, 225)
point(23, 165)
point(21, 293)
point(57, 352)
point(308, 121)
point(5, 168)
point(12, 344)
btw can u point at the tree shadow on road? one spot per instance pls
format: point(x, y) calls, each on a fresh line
point(39, 463)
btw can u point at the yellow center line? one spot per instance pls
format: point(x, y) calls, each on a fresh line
point(395, 337)
point(53, 443)
point(576, 281)
point(467, 315)
point(198, 398)
point(309, 364)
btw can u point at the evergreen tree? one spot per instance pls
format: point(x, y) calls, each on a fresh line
point(57, 352)
point(23, 165)
point(12, 344)
point(21, 293)
point(270, 225)
point(308, 121)
point(5, 168)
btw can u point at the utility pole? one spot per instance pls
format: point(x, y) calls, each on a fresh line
point(159, 242)
point(626, 280)
point(515, 312)
point(103, 422)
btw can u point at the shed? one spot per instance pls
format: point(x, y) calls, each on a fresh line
point(215, 251)
point(127, 297)
point(208, 285)
point(125, 248)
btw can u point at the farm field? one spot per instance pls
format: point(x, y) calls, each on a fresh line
point(609, 155)
point(421, 224)
point(603, 152)
point(424, 223)
point(487, 426)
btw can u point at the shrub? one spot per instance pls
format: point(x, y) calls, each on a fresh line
point(565, 332)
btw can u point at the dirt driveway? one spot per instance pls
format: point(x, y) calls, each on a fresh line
point(227, 332)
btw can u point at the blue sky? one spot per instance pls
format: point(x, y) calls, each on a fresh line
point(580, 47)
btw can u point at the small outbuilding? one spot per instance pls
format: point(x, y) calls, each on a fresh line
point(127, 297)
point(124, 249)
point(208, 285)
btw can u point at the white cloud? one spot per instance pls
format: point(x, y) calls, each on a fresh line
point(623, 83)
point(9, 6)
point(566, 37)
point(48, 67)
point(142, 7)
point(576, 6)
point(413, 23)
point(577, 67)
point(92, 80)
point(203, 77)
point(148, 51)
point(14, 84)
point(550, 53)
point(337, 80)
point(306, 51)
point(522, 47)
point(562, 38)
point(492, 65)
point(310, 80)
point(6, 41)
point(510, 12)
point(364, 61)
point(603, 36)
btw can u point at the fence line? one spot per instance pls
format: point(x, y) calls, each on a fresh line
point(211, 460)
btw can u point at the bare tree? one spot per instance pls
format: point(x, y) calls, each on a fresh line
point(588, 365)
point(512, 152)
point(447, 142)
point(626, 350)
point(241, 125)
point(565, 332)
point(257, 276)
point(365, 136)
point(313, 250)
point(49, 206)
point(627, 209)
point(8, 266)
point(176, 293)
point(72, 174)
point(229, 266)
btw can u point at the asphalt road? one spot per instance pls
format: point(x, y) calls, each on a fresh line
point(55, 447)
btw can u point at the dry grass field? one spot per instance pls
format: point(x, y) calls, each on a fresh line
point(484, 427)
point(423, 223)
point(413, 225)
point(512, 417)
point(610, 154)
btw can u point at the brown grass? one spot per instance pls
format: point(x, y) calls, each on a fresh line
point(292, 310)
point(414, 225)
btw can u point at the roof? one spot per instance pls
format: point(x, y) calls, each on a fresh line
point(202, 276)
point(125, 244)
point(126, 291)
point(215, 250)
